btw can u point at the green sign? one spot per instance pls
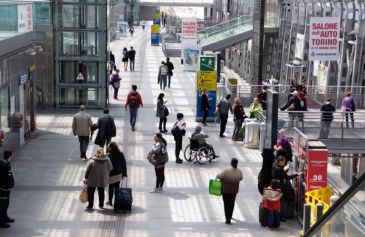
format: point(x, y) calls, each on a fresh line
point(207, 63)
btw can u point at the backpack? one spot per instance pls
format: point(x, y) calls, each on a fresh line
point(133, 104)
point(163, 70)
point(175, 130)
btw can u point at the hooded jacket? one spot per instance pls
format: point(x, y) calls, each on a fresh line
point(97, 172)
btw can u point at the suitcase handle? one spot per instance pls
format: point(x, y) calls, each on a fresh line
point(126, 182)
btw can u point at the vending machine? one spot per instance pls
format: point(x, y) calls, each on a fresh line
point(311, 158)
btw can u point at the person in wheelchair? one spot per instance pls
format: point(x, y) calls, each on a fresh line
point(198, 140)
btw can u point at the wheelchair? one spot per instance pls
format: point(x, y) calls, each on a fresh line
point(198, 153)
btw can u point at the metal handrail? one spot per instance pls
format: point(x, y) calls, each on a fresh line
point(223, 24)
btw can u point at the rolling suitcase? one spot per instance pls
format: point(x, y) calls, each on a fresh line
point(123, 199)
point(262, 215)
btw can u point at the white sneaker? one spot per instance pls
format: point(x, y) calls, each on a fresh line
point(156, 190)
point(160, 189)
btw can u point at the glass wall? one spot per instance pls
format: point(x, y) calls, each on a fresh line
point(81, 56)
point(4, 108)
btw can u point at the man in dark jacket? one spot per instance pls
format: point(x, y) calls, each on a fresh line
point(131, 55)
point(106, 129)
point(170, 67)
point(293, 107)
point(262, 96)
point(205, 105)
point(327, 110)
point(6, 185)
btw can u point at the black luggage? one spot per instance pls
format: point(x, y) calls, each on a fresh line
point(123, 199)
point(262, 215)
point(287, 209)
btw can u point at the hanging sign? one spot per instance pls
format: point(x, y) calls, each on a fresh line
point(25, 18)
point(324, 35)
point(80, 77)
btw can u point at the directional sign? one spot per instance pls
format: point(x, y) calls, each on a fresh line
point(80, 77)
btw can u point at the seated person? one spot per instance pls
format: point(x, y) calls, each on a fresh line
point(200, 137)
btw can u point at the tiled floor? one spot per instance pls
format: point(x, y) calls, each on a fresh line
point(49, 173)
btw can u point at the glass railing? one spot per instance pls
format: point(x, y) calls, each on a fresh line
point(346, 217)
point(230, 28)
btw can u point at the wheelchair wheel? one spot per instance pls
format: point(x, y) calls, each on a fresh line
point(188, 153)
point(203, 156)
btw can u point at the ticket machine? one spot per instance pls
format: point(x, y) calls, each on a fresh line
point(310, 157)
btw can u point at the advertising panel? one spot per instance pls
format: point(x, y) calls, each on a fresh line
point(206, 80)
point(299, 46)
point(207, 63)
point(25, 18)
point(188, 33)
point(122, 28)
point(191, 58)
point(316, 176)
point(324, 37)
point(322, 78)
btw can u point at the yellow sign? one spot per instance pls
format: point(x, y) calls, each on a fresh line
point(155, 29)
point(32, 68)
point(157, 15)
point(206, 80)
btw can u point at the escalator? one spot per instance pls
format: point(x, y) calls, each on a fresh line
point(346, 217)
point(231, 32)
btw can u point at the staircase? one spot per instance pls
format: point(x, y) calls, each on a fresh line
point(231, 32)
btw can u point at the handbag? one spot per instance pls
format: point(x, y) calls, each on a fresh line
point(166, 111)
point(215, 187)
point(83, 195)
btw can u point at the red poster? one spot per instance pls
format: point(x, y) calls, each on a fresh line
point(316, 176)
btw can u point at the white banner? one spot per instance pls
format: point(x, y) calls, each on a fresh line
point(25, 18)
point(189, 32)
point(299, 46)
point(324, 37)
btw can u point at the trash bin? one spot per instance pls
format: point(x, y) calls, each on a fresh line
point(231, 86)
point(262, 136)
point(221, 93)
point(252, 130)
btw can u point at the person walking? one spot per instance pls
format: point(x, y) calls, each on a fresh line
point(81, 125)
point(327, 110)
point(131, 55)
point(162, 75)
point(239, 117)
point(134, 101)
point(224, 107)
point(106, 129)
point(125, 58)
point(205, 105)
point(97, 176)
point(178, 131)
point(170, 68)
point(348, 107)
point(255, 109)
point(162, 112)
point(294, 108)
point(112, 61)
point(118, 172)
point(231, 178)
point(159, 149)
point(115, 83)
point(6, 185)
point(131, 30)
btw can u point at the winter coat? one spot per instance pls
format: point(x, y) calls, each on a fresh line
point(327, 112)
point(231, 178)
point(348, 104)
point(106, 129)
point(271, 199)
point(205, 102)
point(115, 80)
point(97, 172)
point(170, 67)
point(239, 113)
point(6, 176)
point(138, 97)
point(295, 101)
point(160, 111)
point(224, 106)
point(81, 124)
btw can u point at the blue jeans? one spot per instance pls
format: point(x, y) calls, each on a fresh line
point(133, 118)
point(273, 219)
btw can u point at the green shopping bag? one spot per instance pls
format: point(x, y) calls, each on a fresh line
point(215, 187)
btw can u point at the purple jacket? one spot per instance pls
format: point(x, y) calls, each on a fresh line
point(348, 104)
